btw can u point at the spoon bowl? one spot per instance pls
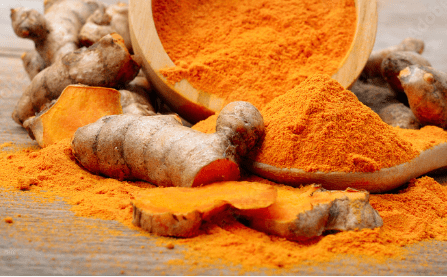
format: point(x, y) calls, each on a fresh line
point(379, 181)
point(195, 105)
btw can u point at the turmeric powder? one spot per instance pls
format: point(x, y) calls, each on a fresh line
point(320, 126)
point(253, 50)
point(416, 213)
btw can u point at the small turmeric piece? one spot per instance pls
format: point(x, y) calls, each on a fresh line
point(179, 212)
point(77, 106)
point(9, 220)
point(303, 213)
point(160, 150)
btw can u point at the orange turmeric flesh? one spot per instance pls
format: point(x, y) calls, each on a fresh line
point(302, 213)
point(179, 211)
point(77, 106)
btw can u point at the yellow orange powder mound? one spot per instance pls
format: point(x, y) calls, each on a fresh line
point(414, 214)
point(320, 126)
point(253, 50)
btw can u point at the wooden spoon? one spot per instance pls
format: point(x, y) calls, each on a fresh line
point(195, 105)
point(379, 181)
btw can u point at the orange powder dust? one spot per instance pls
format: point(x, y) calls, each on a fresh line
point(320, 126)
point(424, 138)
point(416, 213)
point(253, 50)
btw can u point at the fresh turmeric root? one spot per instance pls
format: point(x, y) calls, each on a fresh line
point(136, 97)
point(303, 213)
point(372, 68)
point(179, 212)
point(160, 150)
point(77, 106)
point(113, 19)
point(426, 90)
point(55, 33)
point(107, 64)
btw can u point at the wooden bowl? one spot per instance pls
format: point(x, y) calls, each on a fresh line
point(194, 105)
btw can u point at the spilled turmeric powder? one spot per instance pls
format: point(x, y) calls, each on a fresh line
point(253, 50)
point(416, 213)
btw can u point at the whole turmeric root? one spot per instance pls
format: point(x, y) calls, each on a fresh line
point(55, 33)
point(160, 150)
point(113, 19)
point(426, 90)
point(107, 64)
point(395, 62)
point(372, 68)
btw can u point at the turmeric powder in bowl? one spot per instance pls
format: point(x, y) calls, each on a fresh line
point(253, 50)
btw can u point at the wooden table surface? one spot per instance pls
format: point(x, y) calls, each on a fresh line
point(49, 240)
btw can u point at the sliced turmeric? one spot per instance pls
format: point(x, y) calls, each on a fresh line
point(303, 213)
point(179, 212)
point(77, 106)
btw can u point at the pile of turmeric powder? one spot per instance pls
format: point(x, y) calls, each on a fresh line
point(416, 213)
point(253, 50)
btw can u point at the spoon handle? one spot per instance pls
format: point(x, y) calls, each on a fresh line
point(379, 181)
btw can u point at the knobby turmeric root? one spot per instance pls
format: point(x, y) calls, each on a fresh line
point(106, 63)
point(160, 150)
point(136, 98)
point(77, 106)
point(55, 33)
point(179, 212)
point(303, 213)
point(33, 63)
point(394, 63)
point(113, 19)
point(372, 68)
point(426, 90)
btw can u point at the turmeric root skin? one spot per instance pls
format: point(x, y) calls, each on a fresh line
point(373, 65)
point(106, 63)
point(158, 149)
point(55, 33)
point(426, 90)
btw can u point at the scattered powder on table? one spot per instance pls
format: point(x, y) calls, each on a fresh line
point(253, 50)
point(416, 213)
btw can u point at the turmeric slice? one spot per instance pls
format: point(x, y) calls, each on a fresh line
point(303, 213)
point(77, 106)
point(179, 212)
